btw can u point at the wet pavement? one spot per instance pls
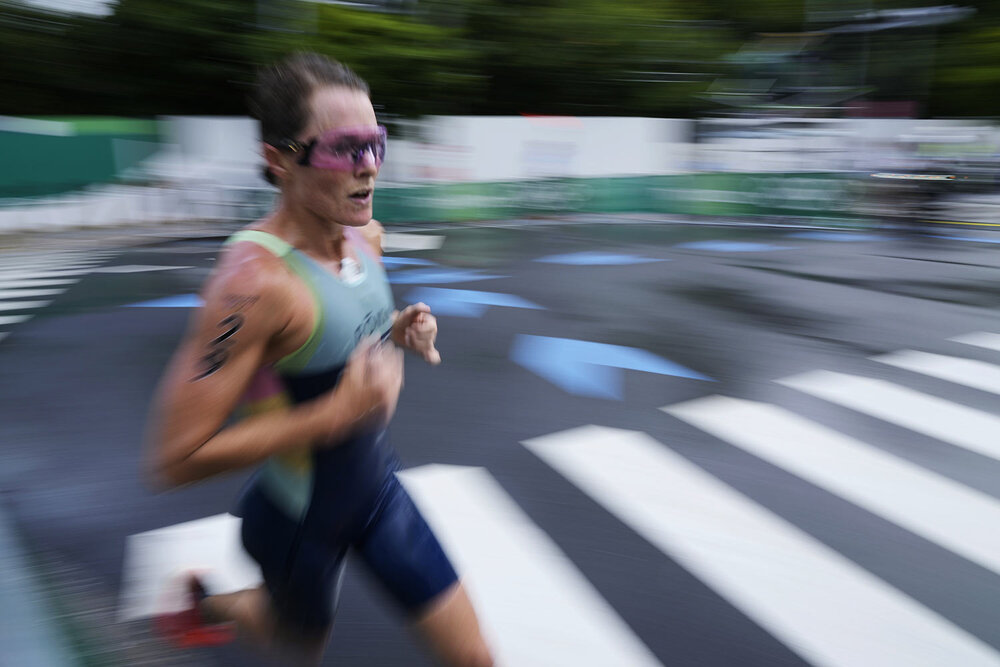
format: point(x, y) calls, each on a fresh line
point(740, 306)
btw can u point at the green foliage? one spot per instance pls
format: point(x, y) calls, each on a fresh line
point(594, 57)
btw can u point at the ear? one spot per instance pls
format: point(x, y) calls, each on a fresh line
point(276, 162)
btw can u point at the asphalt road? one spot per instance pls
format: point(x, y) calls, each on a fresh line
point(836, 514)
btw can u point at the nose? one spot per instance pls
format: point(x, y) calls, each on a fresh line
point(365, 161)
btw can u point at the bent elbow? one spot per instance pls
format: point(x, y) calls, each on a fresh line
point(161, 475)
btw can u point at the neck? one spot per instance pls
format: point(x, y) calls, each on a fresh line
point(320, 238)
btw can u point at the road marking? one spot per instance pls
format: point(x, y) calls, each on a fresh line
point(990, 341)
point(19, 275)
point(971, 373)
point(819, 604)
point(535, 607)
point(438, 275)
point(730, 246)
point(397, 242)
point(61, 269)
point(597, 259)
point(959, 425)
point(959, 222)
point(178, 301)
point(154, 559)
point(587, 368)
point(14, 319)
point(919, 500)
point(4, 284)
point(22, 305)
point(137, 268)
point(465, 303)
point(21, 293)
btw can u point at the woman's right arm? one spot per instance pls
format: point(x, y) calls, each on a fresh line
point(244, 311)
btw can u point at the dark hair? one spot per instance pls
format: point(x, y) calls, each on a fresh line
point(280, 100)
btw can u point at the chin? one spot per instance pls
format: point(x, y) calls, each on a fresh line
point(351, 218)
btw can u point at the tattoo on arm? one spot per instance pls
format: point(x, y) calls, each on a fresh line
point(218, 347)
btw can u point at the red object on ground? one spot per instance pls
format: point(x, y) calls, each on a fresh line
point(188, 628)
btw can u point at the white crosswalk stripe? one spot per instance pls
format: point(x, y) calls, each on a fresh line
point(537, 609)
point(972, 373)
point(950, 422)
point(990, 341)
point(821, 605)
point(25, 293)
point(25, 276)
point(21, 284)
point(61, 272)
point(22, 305)
point(925, 503)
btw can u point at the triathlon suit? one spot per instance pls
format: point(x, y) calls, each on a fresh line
point(303, 511)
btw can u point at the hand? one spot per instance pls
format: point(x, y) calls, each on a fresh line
point(416, 329)
point(372, 380)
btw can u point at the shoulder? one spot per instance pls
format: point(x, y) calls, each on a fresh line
point(249, 274)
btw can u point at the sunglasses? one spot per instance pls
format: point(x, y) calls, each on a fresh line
point(343, 149)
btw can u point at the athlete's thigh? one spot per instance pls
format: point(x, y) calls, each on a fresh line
point(400, 549)
point(302, 573)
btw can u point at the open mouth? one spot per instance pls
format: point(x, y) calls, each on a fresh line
point(361, 196)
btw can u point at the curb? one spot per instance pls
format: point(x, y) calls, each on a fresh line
point(29, 636)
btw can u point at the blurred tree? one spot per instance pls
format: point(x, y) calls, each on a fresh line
point(586, 56)
point(608, 57)
point(38, 59)
point(413, 67)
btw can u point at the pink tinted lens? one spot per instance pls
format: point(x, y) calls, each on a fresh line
point(344, 149)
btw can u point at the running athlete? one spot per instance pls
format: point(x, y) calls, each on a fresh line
point(298, 329)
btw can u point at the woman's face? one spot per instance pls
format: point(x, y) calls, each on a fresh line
point(340, 196)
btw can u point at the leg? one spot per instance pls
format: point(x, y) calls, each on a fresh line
point(402, 552)
point(450, 626)
point(253, 613)
point(293, 612)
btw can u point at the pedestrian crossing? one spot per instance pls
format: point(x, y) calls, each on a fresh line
point(823, 606)
point(30, 281)
point(830, 609)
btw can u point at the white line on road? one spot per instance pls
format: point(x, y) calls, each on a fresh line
point(30, 275)
point(972, 373)
point(136, 268)
point(536, 608)
point(985, 339)
point(5, 284)
point(14, 319)
point(919, 500)
point(53, 263)
point(48, 266)
point(397, 242)
point(22, 293)
point(959, 425)
point(821, 605)
point(22, 305)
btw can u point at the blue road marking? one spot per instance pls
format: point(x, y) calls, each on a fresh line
point(442, 275)
point(180, 301)
point(396, 262)
point(973, 239)
point(731, 246)
point(590, 369)
point(844, 237)
point(596, 259)
point(465, 303)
